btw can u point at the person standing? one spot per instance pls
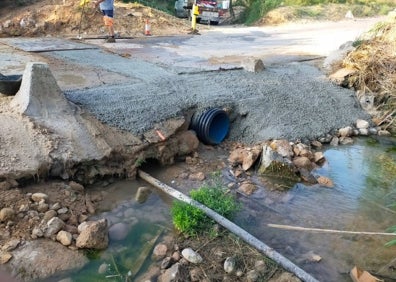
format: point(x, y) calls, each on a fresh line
point(107, 8)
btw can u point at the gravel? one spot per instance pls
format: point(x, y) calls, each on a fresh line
point(292, 101)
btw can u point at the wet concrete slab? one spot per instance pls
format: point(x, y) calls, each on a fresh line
point(46, 44)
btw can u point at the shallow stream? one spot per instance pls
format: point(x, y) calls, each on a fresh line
point(364, 176)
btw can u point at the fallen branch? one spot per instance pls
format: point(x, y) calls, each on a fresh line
point(247, 237)
point(299, 228)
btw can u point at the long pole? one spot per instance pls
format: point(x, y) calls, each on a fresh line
point(247, 237)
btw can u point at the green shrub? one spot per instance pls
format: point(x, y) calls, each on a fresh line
point(191, 221)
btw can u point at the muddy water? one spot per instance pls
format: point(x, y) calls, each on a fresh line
point(364, 189)
point(364, 176)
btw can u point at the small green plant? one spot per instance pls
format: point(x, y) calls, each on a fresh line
point(139, 162)
point(191, 220)
point(392, 242)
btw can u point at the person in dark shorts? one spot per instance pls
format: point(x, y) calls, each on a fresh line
point(107, 8)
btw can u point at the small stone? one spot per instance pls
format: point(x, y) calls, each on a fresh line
point(11, 245)
point(191, 256)
point(37, 197)
point(103, 268)
point(346, 141)
point(166, 263)
point(334, 141)
point(49, 214)
point(37, 233)
point(6, 214)
point(363, 131)
point(62, 210)
point(5, 257)
point(54, 225)
point(42, 207)
point(345, 132)
point(199, 176)
point(362, 124)
point(176, 256)
point(64, 237)
point(303, 162)
point(159, 251)
point(76, 187)
point(142, 194)
point(247, 188)
point(316, 144)
point(55, 206)
point(319, 157)
point(229, 264)
point(384, 133)
point(325, 181)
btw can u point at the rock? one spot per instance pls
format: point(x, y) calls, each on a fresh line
point(103, 268)
point(187, 142)
point(373, 131)
point(273, 164)
point(340, 77)
point(119, 231)
point(37, 233)
point(307, 176)
point(77, 187)
point(311, 257)
point(62, 210)
point(191, 256)
point(247, 188)
point(6, 214)
point(11, 245)
point(334, 141)
point(282, 147)
point(319, 157)
point(325, 139)
point(245, 156)
point(345, 132)
point(42, 207)
point(166, 263)
point(285, 277)
point(363, 131)
point(362, 124)
point(36, 254)
point(346, 141)
point(303, 162)
point(37, 197)
point(64, 237)
point(316, 144)
point(54, 225)
point(94, 235)
point(5, 257)
point(252, 276)
point(55, 206)
point(142, 194)
point(159, 251)
point(324, 181)
point(253, 65)
point(49, 215)
point(229, 264)
point(171, 274)
point(384, 133)
point(199, 176)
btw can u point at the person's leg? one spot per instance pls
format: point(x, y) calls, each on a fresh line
point(109, 22)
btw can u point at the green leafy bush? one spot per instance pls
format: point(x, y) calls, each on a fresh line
point(191, 220)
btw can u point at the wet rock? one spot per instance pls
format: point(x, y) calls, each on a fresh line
point(311, 257)
point(159, 251)
point(346, 140)
point(373, 131)
point(285, 277)
point(325, 181)
point(103, 268)
point(199, 176)
point(119, 231)
point(345, 132)
point(247, 188)
point(54, 225)
point(334, 141)
point(325, 139)
point(362, 124)
point(299, 148)
point(5, 257)
point(316, 144)
point(142, 194)
point(36, 254)
point(307, 176)
point(384, 133)
point(229, 264)
point(191, 256)
point(319, 157)
point(187, 142)
point(94, 235)
point(37, 197)
point(6, 214)
point(273, 164)
point(64, 237)
point(303, 162)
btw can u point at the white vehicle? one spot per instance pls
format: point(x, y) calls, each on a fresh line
point(209, 10)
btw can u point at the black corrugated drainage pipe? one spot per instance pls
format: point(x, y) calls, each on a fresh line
point(211, 125)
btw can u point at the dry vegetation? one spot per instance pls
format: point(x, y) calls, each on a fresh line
point(374, 62)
